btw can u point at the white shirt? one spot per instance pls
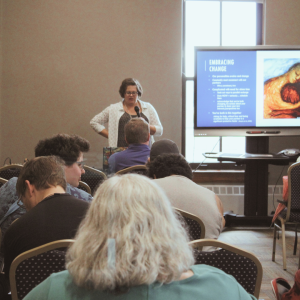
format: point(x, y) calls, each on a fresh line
point(112, 115)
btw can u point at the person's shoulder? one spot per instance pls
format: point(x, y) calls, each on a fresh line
point(118, 155)
point(118, 105)
point(60, 275)
point(114, 155)
point(202, 268)
point(175, 179)
point(78, 194)
point(52, 287)
point(18, 224)
point(8, 195)
point(191, 184)
point(226, 283)
point(145, 104)
point(10, 185)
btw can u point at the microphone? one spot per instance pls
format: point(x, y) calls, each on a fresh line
point(137, 110)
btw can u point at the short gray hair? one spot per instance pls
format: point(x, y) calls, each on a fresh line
point(150, 243)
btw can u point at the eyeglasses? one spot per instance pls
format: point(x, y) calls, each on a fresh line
point(80, 164)
point(131, 93)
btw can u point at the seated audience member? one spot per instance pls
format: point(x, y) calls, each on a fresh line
point(174, 175)
point(70, 148)
point(137, 135)
point(161, 147)
point(131, 246)
point(52, 214)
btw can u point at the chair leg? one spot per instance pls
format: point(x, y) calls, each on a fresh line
point(283, 245)
point(296, 239)
point(299, 261)
point(274, 243)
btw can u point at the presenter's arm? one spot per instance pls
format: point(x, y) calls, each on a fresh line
point(104, 133)
point(155, 124)
point(98, 122)
point(153, 130)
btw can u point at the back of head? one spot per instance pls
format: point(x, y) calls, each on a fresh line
point(150, 243)
point(169, 164)
point(42, 172)
point(137, 131)
point(163, 146)
point(67, 147)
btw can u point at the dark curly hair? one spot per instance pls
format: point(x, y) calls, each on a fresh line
point(67, 147)
point(130, 81)
point(169, 164)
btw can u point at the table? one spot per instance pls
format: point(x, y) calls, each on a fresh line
point(256, 185)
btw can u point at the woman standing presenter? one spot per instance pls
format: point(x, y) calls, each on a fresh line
point(117, 115)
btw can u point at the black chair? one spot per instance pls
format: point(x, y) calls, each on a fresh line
point(32, 267)
point(193, 224)
point(291, 214)
point(10, 171)
point(242, 265)
point(93, 178)
point(138, 169)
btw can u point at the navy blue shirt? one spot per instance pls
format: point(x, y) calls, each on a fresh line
point(135, 154)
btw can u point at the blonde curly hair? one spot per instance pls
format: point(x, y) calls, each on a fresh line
point(150, 243)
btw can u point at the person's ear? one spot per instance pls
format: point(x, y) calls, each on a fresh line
point(30, 188)
point(148, 160)
point(126, 140)
point(154, 176)
point(148, 137)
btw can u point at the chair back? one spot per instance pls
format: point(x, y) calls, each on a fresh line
point(85, 187)
point(293, 205)
point(93, 178)
point(138, 169)
point(2, 181)
point(10, 171)
point(32, 267)
point(194, 225)
point(242, 265)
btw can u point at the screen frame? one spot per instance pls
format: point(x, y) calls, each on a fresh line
point(240, 131)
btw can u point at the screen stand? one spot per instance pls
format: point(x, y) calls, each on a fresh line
point(256, 178)
point(256, 187)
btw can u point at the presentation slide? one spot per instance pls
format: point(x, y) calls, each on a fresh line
point(248, 88)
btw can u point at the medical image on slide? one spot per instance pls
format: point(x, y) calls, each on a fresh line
point(281, 88)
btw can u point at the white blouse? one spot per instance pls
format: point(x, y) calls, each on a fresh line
point(112, 115)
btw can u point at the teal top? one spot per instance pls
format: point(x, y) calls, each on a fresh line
point(207, 283)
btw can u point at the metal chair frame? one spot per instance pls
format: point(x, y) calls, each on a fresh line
point(95, 171)
point(285, 221)
point(85, 187)
point(93, 183)
point(236, 250)
point(2, 181)
point(188, 215)
point(129, 169)
point(30, 253)
point(12, 166)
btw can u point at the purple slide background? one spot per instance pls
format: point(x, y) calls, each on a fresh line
point(244, 64)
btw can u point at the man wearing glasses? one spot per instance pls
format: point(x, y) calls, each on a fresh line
point(70, 148)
